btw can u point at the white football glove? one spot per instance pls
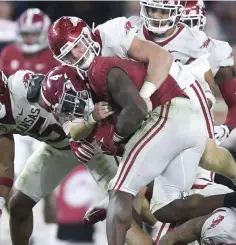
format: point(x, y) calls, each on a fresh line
point(221, 133)
point(97, 212)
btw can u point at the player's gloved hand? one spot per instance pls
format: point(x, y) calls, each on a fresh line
point(108, 140)
point(97, 212)
point(221, 133)
point(82, 149)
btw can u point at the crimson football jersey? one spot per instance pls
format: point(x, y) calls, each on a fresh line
point(100, 67)
point(13, 59)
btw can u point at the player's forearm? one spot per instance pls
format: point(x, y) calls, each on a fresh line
point(190, 231)
point(158, 60)
point(80, 130)
point(130, 119)
point(159, 64)
point(6, 168)
point(147, 216)
point(6, 178)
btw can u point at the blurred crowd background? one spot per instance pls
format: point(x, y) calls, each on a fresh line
point(221, 19)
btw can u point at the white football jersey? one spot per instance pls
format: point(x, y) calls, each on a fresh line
point(219, 228)
point(187, 44)
point(29, 118)
point(116, 36)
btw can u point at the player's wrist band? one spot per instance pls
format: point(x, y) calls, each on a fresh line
point(147, 89)
point(117, 138)
point(230, 200)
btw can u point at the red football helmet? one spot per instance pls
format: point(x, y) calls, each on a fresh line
point(32, 30)
point(161, 15)
point(195, 14)
point(65, 94)
point(71, 41)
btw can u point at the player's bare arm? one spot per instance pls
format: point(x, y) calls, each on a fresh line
point(126, 95)
point(158, 59)
point(6, 167)
point(225, 79)
point(190, 231)
point(210, 95)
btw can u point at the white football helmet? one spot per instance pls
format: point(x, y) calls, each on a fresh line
point(194, 14)
point(32, 31)
point(170, 12)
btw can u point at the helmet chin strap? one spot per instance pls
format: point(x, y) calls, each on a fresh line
point(83, 69)
point(88, 61)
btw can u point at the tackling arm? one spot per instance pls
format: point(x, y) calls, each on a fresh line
point(6, 167)
point(209, 88)
point(190, 231)
point(80, 130)
point(158, 59)
point(125, 94)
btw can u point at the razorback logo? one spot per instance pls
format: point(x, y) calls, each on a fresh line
point(206, 43)
point(27, 78)
point(75, 21)
point(216, 221)
point(128, 26)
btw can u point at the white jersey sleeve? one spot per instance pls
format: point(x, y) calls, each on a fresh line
point(116, 35)
point(199, 42)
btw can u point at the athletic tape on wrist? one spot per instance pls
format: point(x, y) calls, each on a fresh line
point(91, 121)
point(147, 89)
point(117, 138)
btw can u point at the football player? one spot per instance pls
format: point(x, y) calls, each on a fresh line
point(21, 112)
point(30, 52)
point(68, 100)
point(73, 43)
